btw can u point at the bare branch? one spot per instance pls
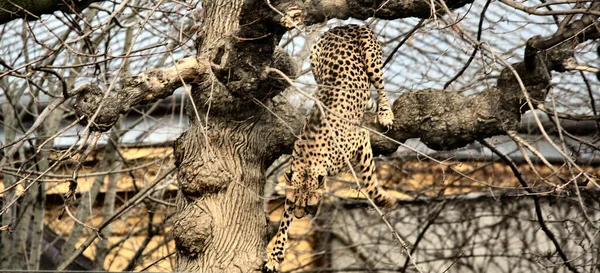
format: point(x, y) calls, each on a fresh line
point(538, 209)
point(129, 204)
point(320, 11)
point(143, 88)
point(32, 10)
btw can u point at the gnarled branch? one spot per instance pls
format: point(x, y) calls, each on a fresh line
point(142, 88)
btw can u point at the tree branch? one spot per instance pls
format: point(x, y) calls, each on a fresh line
point(32, 10)
point(318, 11)
point(447, 120)
point(536, 202)
point(129, 204)
point(146, 87)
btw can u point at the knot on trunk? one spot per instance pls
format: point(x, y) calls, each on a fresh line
point(200, 172)
point(191, 228)
point(91, 101)
point(196, 178)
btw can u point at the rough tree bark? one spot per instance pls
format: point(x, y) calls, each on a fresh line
point(221, 226)
point(239, 126)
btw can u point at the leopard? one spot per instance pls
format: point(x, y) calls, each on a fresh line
point(345, 61)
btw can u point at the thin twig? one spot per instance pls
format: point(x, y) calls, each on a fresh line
point(408, 35)
point(479, 31)
point(536, 202)
point(125, 207)
point(421, 235)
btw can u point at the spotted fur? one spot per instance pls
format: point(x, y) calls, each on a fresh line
point(345, 62)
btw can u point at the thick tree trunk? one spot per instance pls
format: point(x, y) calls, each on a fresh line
point(221, 225)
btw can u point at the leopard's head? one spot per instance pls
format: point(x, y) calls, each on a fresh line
point(304, 189)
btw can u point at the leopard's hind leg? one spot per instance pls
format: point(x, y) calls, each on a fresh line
point(365, 170)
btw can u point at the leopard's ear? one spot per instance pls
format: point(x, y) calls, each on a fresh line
point(300, 143)
point(288, 176)
point(321, 179)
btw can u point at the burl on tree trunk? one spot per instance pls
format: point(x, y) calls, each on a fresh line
point(239, 124)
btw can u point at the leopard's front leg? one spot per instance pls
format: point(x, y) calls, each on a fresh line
point(275, 256)
point(385, 116)
point(373, 64)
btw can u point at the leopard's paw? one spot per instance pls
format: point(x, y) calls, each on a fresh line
point(384, 199)
point(270, 266)
point(386, 118)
